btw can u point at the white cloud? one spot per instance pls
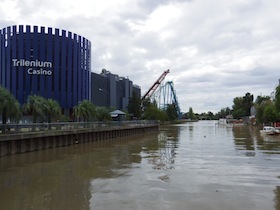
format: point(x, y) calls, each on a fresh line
point(6, 8)
point(215, 50)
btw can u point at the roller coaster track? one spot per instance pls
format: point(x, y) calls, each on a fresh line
point(163, 95)
point(166, 95)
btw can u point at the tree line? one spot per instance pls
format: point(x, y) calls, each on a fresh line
point(49, 110)
point(265, 108)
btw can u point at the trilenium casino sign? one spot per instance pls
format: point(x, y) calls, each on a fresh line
point(34, 67)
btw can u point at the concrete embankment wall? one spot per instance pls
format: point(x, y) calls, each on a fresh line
point(28, 142)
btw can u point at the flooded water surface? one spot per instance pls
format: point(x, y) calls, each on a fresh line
point(191, 166)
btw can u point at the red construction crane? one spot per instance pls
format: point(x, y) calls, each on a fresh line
point(155, 85)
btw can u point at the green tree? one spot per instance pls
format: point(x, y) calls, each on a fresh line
point(261, 103)
point(52, 110)
point(260, 111)
point(260, 99)
point(134, 105)
point(9, 106)
point(247, 103)
point(147, 103)
point(35, 105)
point(85, 110)
point(277, 99)
point(238, 113)
point(270, 113)
point(103, 114)
point(242, 105)
point(191, 114)
point(210, 115)
point(171, 112)
point(267, 112)
point(277, 198)
point(153, 113)
point(223, 113)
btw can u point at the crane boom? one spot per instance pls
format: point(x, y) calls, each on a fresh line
point(155, 85)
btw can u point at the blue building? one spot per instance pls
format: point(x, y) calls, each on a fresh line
point(55, 63)
point(49, 62)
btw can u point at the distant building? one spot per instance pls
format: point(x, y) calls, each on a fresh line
point(110, 90)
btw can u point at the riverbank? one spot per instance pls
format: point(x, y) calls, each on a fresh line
point(21, 138)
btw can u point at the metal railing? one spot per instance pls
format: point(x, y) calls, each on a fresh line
point(68, 126)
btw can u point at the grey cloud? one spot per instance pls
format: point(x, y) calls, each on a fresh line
point(208, 43)
point(5, 23)
point(152, 5)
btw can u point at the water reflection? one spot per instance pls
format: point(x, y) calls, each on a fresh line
point(249, 138)
point(188, 166)
point(38, 185)
point(167, 144)
point(61, 178)
point(277, 198)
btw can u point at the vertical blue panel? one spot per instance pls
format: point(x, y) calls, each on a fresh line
point(21, 70)
point(63, 79)
point(56, 66)
point(80, 85)
point(83, 69)
point(42, 58)
point(89, 67)
point(14, 73)
point(70, 71)
point(35, 57)
point(88, 73)
point(2, 57)
point(49, 57)
point(75, 70)
point(27, 56)
point(8, 59)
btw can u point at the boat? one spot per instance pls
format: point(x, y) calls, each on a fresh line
point(269, 130)
point(277, 130)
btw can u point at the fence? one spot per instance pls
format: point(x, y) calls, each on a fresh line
point(21, 138)
point(6, 129)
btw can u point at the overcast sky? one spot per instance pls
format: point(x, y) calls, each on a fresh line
point(216, 50)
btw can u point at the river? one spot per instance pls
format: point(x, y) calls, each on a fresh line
point(191, 166)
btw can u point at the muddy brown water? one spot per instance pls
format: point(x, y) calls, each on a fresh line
point(191, 166)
